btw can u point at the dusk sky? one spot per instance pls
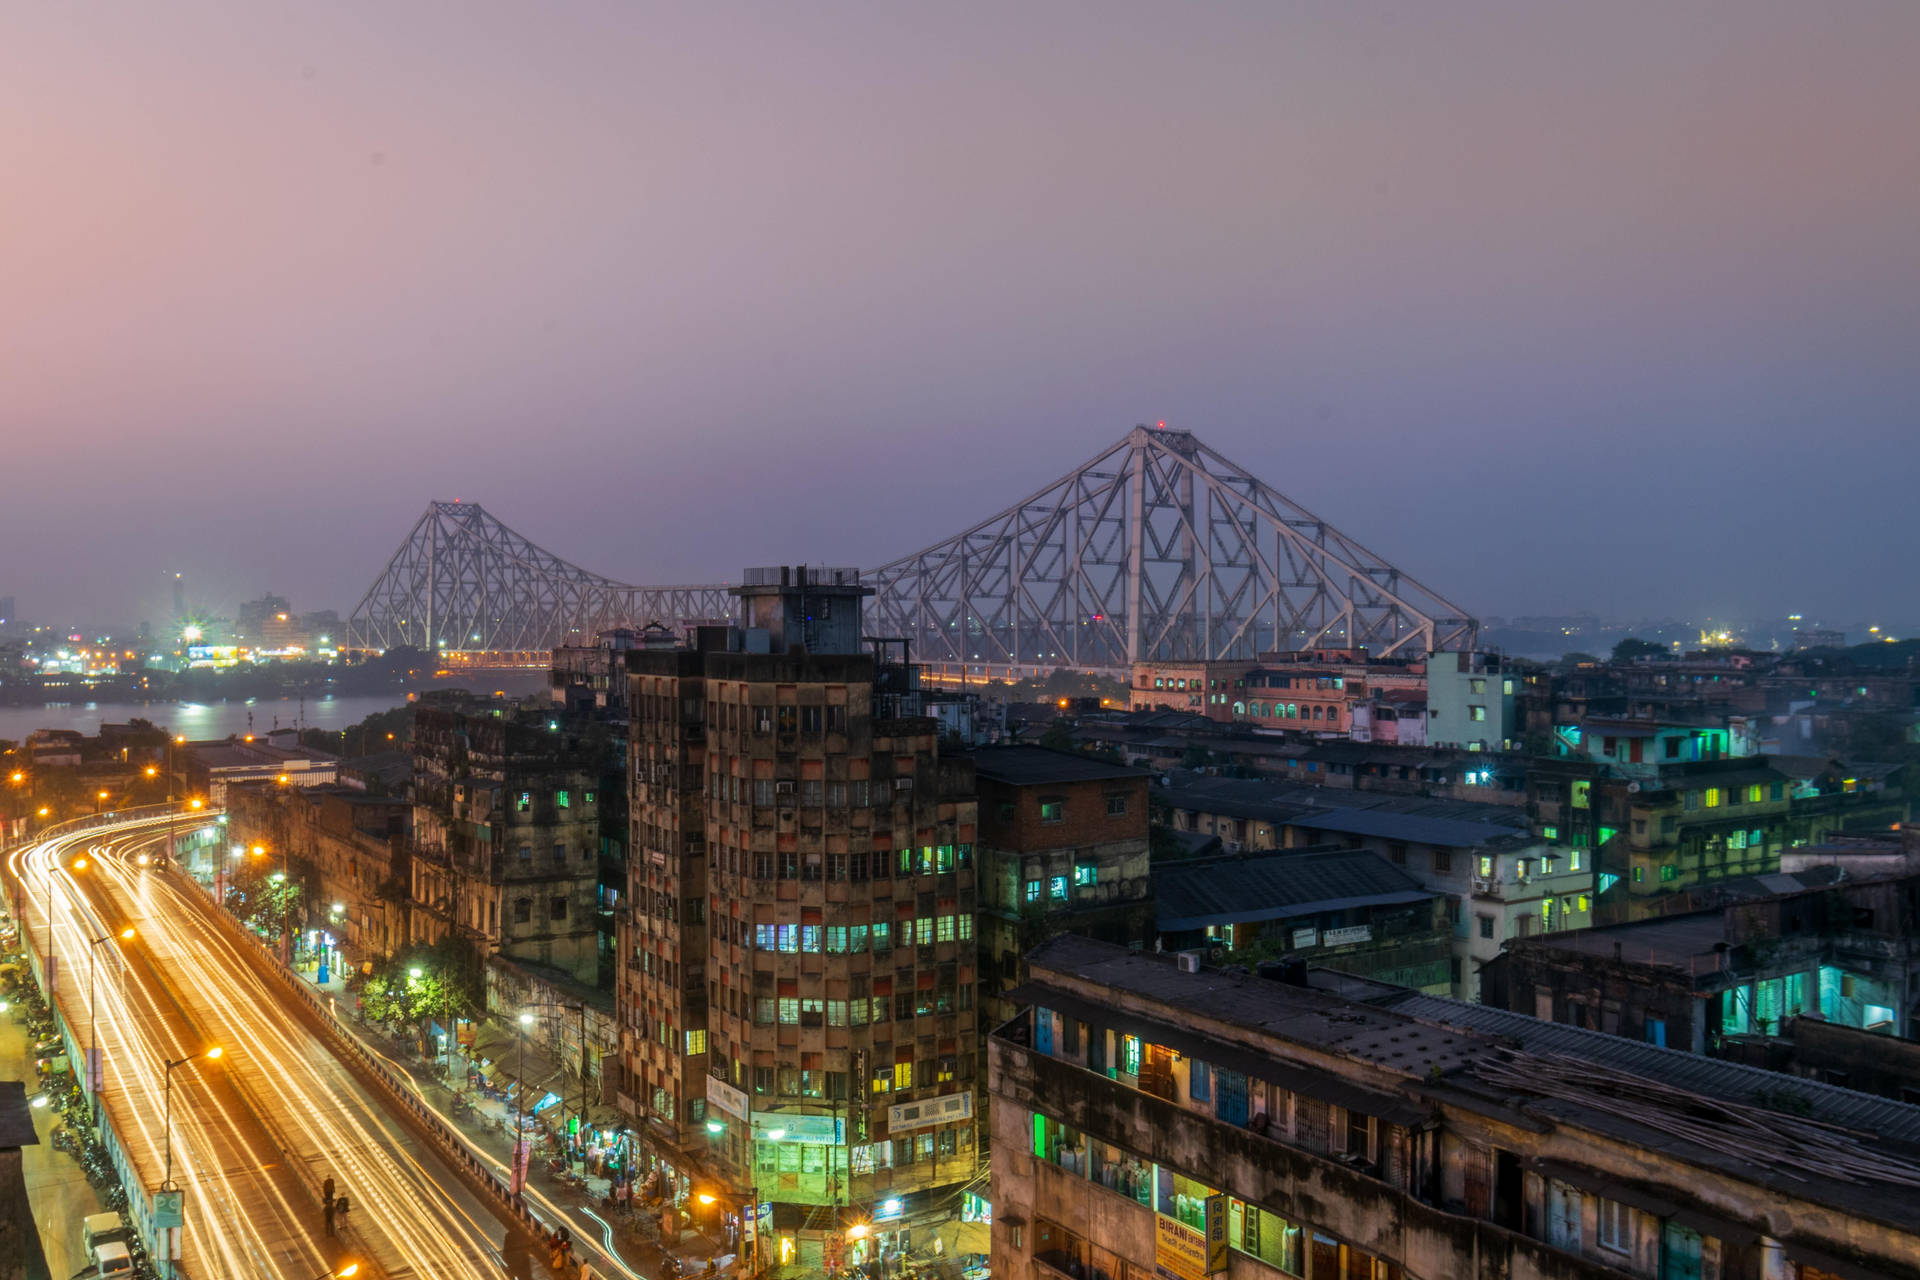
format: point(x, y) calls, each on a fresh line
point(1611, 306)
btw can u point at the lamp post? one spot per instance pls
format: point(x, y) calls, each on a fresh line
point(519, 1179)
point(172, 813)
point(351, 1269)
point(209, 1055)
point(166, 1184)
point(96, 1075)
point(53, 970)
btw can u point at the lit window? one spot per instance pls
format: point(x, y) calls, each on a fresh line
point(696, 1042)
point(1086, 873)
point(903, 1075)
point(1033, 891)
point(1130, 1055)
point(1057, 888)
point(1486, 864)
point(1053, 811)
point(1476, 713)
point(1713, 797)
point(563, 799)
point(1549, 833)
point(1573, 860)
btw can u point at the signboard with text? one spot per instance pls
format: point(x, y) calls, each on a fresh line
point(795, 1126)
point(1352, 933)
point(905, 1116)
point(727, 1098)
point(1179, 1252)
point(1216, 1234)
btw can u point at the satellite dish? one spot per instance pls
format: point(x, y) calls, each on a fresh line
point(1633, 788)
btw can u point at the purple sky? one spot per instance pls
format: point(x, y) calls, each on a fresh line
point(1613, 305)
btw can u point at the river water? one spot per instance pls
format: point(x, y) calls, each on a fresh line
point(199, 720)
point(219, 719)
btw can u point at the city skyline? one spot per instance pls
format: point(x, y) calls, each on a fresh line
point(678, 293)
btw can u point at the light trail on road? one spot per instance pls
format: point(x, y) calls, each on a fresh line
point(256, 1132)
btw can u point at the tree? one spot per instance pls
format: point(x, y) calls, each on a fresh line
point(1059, 736)
point(1634, 647)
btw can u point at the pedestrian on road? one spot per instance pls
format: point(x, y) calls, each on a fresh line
point(326, 1191)
point(329, 1214)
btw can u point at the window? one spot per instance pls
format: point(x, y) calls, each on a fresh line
point(1549, 833)
point(1713, 797)
point(1476, 713)
point(559, 855)
point(882, 937)
point(523, 802)
point(1486, 866)
point(523, 910)
point(1116, 806)
point(790, 1010)
point(1657, 1031)
point(1669, 873)
point(1085, 873)
point(1756, 793)
point(1057, 888)
point(1130, 1055)
point(1573, 859)
point(563, 799)
point(526, 853)
point(559, 909)
point(1616, 1226)
point(903, 1075)
point(696, 1042)
point(1199, 1081)
point(1033, 891)
point(1053, 811)
point(836, 939)
point(1691, 801)
point(1486, 926)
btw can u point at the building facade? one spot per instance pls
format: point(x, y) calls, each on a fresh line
point(798, 1022)
point(1156, 1119)
point(506, 825)
point(1063, 849)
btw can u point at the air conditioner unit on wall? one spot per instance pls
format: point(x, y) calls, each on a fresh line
point(1187, 961)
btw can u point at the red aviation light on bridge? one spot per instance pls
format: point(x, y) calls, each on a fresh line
point(1161, 425)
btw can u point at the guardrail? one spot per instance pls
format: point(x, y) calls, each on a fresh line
point(444, 1136)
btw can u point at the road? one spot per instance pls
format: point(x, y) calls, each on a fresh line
point(256, 1131)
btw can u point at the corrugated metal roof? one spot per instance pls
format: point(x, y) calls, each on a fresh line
point(1713, 1077)
point(1273, 886)
point(1412, 828)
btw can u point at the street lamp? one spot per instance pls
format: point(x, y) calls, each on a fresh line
point(99, 798)
point(351, 1269)
point(93, 1042)
point(519, 1179)
point(209, 1055)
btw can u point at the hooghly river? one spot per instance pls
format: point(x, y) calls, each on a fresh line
point(203, 720)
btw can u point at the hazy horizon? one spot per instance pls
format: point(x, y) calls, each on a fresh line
point(1607, 308)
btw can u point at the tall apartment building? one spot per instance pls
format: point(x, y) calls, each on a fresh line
point(797, 970)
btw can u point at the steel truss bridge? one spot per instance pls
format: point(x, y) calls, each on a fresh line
point(1158, 548)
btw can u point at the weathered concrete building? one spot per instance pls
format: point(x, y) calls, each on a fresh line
point(1344, 908)
point(1153, 1121)
point(1848, 953)
point(507, 836)
point(797, 991)
point(350, 851)
point(1063, 849)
